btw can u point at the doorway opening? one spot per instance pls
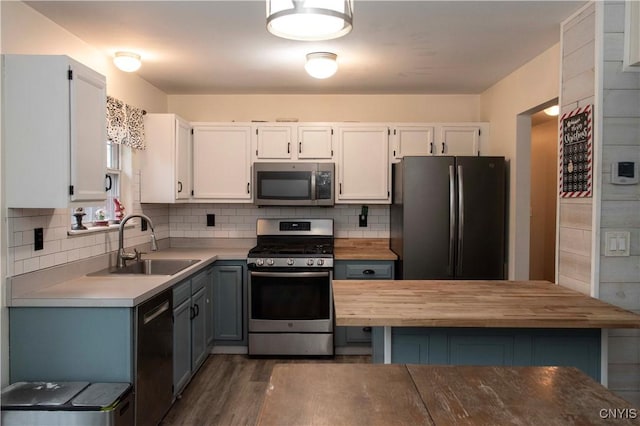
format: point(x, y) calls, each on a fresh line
point(544, 191)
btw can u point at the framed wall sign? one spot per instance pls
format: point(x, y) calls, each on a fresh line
point(576, 153)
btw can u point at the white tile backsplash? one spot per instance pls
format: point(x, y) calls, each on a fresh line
point(175, 221)
point(239, 220)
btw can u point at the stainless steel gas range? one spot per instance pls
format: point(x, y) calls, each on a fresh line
point(290, 298)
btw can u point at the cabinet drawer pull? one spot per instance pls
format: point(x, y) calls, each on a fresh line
point(443, 147)
point(366, 329)
point(110, 184)
point(299, 147)
point(179, 186)
point(368, 272)
point(288, 147)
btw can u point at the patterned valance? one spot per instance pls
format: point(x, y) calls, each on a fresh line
point(125, 124)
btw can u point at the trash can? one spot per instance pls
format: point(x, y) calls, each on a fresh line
point(67, 404)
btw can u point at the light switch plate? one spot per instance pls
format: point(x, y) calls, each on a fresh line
point(616, 243)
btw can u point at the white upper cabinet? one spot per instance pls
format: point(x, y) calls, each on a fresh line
point(459, 139)
point(412, 140)
point(54, 132)
point(315, 142)
point(222, 162)
point(293, 142)
point(165, 164)
point(274, 142)
point(364, 170)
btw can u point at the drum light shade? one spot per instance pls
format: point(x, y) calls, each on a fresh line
point(127, 61)
point(309, 19)
point(321, 64)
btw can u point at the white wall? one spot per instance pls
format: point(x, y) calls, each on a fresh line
point(504, 105)
point(403, 108)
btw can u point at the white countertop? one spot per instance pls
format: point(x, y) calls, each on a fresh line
point(124, 290)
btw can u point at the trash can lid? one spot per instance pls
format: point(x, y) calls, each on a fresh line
point(101, 395)
point(40, 394)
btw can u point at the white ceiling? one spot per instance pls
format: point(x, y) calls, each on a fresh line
point(206, 47)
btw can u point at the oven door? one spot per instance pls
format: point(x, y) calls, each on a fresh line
point(290, 301)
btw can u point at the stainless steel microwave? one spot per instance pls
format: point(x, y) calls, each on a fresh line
point(293, 184)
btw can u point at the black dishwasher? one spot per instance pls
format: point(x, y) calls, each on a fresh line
point(154, 359)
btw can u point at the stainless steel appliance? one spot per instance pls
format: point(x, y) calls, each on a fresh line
point(154, 359)
point(447, 220)
point(290, 297)
point(67, 403)
point(293, 184)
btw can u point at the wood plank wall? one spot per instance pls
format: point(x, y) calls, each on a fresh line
point(619, 277)
point(618, 280)
point(578, 90)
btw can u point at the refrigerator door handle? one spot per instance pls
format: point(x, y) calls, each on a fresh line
point(460, 218)
point(452, 219)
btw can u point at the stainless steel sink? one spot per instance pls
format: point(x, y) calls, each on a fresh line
point(149, 267)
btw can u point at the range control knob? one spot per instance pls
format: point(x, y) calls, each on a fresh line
point(310, 262)
point(320, 262)
point(289, 261)
point(270, 262)
point(259, 262)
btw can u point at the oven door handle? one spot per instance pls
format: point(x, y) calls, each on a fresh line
point(289, 274)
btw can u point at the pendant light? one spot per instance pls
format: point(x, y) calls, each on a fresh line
point(309, 19)
point(321, 64)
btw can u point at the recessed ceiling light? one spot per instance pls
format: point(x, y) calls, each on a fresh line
point(127, 61)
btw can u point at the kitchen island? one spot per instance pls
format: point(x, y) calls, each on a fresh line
point(526, 323)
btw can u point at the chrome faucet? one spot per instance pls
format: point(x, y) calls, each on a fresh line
point(124, 256)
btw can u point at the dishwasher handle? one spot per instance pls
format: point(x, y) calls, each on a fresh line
point(155, 312)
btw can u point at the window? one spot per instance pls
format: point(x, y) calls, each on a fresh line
point(93, 214)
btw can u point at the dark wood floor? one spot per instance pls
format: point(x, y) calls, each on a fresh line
point(229, 389)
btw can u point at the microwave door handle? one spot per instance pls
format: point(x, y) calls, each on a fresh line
point(313, 185)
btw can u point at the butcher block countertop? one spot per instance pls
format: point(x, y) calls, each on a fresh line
point(362, 249)
point(517, 304)
point(397, 394)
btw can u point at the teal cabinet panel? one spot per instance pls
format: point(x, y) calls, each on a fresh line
point(578, 348)
point(73, 344)
point(359, 270)
point(481, 350)
point(410, 349)
point(208, 310)
point(198, 329)
point(582, 352)
point(181, 346)
point(228, 303)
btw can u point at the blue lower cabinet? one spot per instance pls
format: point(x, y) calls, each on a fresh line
point(229, 303)
point(71, 344)
point(190, 316)
point(578, 348)
point(359, 270)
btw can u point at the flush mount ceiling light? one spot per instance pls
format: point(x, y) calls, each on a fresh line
point(552, 110)
point(127, 61)
point(321, 64)
point(309, 19)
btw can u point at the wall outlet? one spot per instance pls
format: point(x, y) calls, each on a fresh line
point(211, 220)
point(143, 224)
point(38, 239)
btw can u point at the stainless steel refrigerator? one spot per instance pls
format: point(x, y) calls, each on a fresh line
point(448, 218)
